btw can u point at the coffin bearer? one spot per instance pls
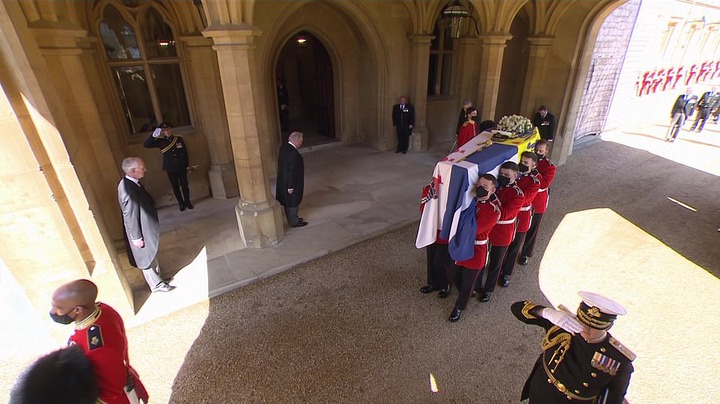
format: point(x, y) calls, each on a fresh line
point(511, 200)
point(581, 361)
point(403, 117)
point(547, 169)
point(439, 263)
point(175, 161)
point(487, 213)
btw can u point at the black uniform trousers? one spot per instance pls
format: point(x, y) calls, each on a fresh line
point(178, 182)
point(439, 264)
point(531, 236)
point(403, 138)
point(465, 280)
point(702, 114)
point(495, 260)
point(512, 253)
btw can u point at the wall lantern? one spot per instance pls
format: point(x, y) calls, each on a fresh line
point(301, 40)
point(457, 14)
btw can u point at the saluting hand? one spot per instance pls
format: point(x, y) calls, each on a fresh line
point(566, 321)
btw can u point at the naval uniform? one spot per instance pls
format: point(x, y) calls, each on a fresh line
point(175, 164)
point(530, 185)
point(709, 101)
point(572, 370)
point(547, 169)
point(102, 338)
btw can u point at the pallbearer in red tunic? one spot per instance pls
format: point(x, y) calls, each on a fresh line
point(100, 333)
point(487, 213)
point(511, 200)
point(547, 170)
point(529, 181)
point(469, 129)
point(439, 262)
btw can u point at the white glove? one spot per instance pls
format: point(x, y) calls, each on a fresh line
point(157, 132)
point(566, 321)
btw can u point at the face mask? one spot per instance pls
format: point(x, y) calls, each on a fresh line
point(64, 319)
point(540, 156)
point(503, 180)
point(481, 192)
point(523, 168)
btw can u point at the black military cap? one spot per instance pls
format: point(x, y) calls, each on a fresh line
point(164, 125)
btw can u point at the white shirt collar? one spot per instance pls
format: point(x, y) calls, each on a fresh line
point(135, 180)
point(292, 144)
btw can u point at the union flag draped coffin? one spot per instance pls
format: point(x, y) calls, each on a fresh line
point(452, 194)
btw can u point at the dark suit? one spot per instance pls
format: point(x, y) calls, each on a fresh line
point(290, 175)
point(175, 164)
point(403, 116)
point(682, 108)
point(546, 126)
point(140, 220)
point(708, 102)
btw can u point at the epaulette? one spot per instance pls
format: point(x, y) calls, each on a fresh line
point(622, 348)
point(518, 190)
point(95, 339)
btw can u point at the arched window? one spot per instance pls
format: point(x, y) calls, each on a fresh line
point(441, 57)
point(142, 57)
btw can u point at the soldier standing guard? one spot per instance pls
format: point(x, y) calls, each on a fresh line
point(580, 360)
point(403, 117)
point(175, 161)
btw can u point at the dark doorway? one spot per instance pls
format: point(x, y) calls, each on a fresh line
point(305, 69)
point(514, 68)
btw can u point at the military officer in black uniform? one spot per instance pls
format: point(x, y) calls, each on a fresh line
point(403, 117)
point(681, 110)
point(709, 101)
point(175, 161)
point(581, 361)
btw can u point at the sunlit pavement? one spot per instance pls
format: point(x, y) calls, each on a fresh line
point(352, 326)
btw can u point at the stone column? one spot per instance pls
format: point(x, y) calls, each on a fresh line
point(467, 63)
point(534, 80)
point(212, 116)
point(259, 215)
point(492, 47)
point(419, 64)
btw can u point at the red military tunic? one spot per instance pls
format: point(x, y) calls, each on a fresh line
point(511, 200)
point(547, 169)
point(102, 337)
point(487, 213)
point(530, 184)
point(468, 130)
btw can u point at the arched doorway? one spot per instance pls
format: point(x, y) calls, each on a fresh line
point(514, 68)
point(305, 71)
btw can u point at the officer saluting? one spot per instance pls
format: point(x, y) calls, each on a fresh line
point(580, 360)
point(175, 161)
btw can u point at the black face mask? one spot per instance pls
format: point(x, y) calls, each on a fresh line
point(481, 192)
point(64, 319)
point(523, 168)
point(503, 180)
point(540, 156)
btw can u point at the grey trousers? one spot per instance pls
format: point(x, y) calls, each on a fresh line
point(292, 215)
point(152, 274)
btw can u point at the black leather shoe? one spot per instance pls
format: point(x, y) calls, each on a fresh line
point(428, 289)
point(163, 287)
point(443, 293)
point(485, 297)
point(455, 315)
point(182, 207)
point(190, 205)
point(523, 260)
point(300, 224)
point(505, 281)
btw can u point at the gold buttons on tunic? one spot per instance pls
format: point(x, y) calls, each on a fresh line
point(577, 391)
point(585, 384)
point(593, 374)
point(602, 349)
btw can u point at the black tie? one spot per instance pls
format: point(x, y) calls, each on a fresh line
point(141, 185)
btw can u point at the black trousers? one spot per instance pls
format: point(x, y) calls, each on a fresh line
point(529, 245)
point(403, 138)
point(702, 114)
point(439, 264)
point(495, 260)
point(178, 182)
point(465, 279)
point(512, 253)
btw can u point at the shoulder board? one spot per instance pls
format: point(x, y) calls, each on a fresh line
point(622, 348)
point(95, 338)
point(518, 190)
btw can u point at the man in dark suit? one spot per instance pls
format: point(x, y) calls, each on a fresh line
point(709, 101)
point(682, 108)
point(140, 220)
point(403, 116)
point(175, 161)
point(291, 179)
point(545, 123)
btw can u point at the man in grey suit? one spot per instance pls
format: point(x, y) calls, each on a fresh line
point(140, 219)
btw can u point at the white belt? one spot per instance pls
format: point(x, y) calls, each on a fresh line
point(481, 242)
point(511, 221)
point(542, 189)
point(525, 208)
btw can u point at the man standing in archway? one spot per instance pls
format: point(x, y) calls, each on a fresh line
point(403, 116)
point(291, 179)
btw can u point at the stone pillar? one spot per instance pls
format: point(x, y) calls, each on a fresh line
point(419, 65)
point(467, 63)
point(492, 47)
point(534, 80)
point(212, 116)
point(259, 215)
